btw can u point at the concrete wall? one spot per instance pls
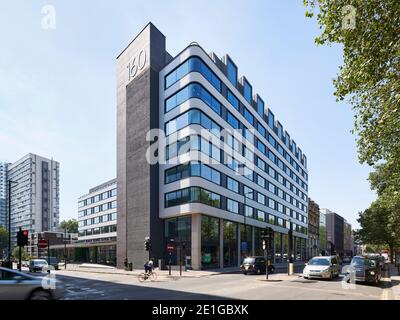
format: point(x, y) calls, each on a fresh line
point(137, 181)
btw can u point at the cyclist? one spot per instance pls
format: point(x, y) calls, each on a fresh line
point(149, 266)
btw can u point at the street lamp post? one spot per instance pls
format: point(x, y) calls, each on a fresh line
point(290, 248)
point(9, 223)
point(65, 246)
point(245, 232)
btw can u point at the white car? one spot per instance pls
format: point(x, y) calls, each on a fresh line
point(323, 267)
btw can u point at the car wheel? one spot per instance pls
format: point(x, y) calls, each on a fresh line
point(40, 295)
point(245, 273)
point(258, 271)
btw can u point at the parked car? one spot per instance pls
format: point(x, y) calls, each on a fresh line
point(37, 265)
point(346, 259)
point(15, 285)
point(366, 270)
point(323, 267)
point(53, 262)
point(256, 265)
point(379, 260)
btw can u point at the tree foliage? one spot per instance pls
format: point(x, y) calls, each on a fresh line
point(370, 75)
point(24, 254)
point(380, 225)
point(71, 225)
point(3, 240)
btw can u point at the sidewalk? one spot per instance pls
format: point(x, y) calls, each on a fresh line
point(280, 271)
point(394, 281)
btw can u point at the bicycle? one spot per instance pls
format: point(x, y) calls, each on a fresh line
point(148, 275)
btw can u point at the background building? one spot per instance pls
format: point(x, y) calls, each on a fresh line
point(35, 195)
point(3, 195)
point(322, 234)
point(348, 243)
point(54, 237)
point(97, 213)
point(215, 213)
point(313, 229)
point(335, 232)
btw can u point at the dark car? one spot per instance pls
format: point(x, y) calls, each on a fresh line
point(379, 260)
point(255, 265)
point(53, 262)
point(366, 270)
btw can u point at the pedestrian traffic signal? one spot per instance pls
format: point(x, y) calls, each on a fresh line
point(22, 238)
point(267, 236)
point(147, 244)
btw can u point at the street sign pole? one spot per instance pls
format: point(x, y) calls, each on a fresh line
point(20, 249)
point(170, 263)
point(48, 254)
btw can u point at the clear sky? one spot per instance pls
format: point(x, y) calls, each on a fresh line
point(58, 87)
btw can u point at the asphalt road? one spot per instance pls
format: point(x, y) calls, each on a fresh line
point(94, 286)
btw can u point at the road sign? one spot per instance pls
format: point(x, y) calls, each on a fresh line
point(170, 247)
point(42, 244)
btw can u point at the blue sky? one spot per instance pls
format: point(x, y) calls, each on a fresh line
point(58, 87)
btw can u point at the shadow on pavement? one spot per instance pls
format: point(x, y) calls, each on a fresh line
point(90, 289)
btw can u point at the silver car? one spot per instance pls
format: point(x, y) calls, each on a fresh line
point(323, 267)
point(15, 285)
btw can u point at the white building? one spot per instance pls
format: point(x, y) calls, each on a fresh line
point(35, 194)
point(97, 213)
point(3, 194)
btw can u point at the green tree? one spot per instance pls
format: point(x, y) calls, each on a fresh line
point(71, 225)
point(369, 32)
point(380, 226)
point(3, 240)
point(24, 254)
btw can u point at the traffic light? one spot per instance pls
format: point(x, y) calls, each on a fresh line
point(267, 236)
point(147, 244)
point(22, 238)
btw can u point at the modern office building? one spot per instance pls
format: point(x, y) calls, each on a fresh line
point(35, 194)
point(313, 229)
point(97, 214)
point(335, 232)
point(226, 170)
point(3, 194)
point(322, 234)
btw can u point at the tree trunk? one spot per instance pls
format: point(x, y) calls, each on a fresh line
point(391, 248)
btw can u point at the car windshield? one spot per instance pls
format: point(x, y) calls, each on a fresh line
point(40, 262)
point(319, 262)
point(359, 262)
point(248, 260)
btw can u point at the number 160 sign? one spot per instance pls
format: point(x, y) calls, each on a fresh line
point(137, 64)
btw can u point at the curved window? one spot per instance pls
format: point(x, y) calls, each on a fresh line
point(192, 194)
point(193, 64)
point(192, 169)
point(192, 143)
point(193, 116)
point(193, 90)
point(233, 100)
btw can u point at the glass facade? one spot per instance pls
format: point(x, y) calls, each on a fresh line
point(232, 72)
point(179, 229)
point(278, 183)
point(246, 242)
point(210, 242)
point(230, 250)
